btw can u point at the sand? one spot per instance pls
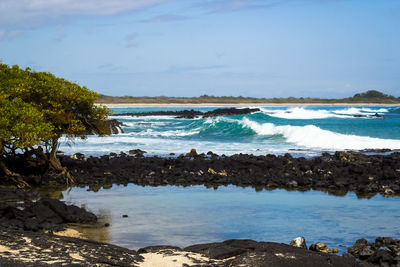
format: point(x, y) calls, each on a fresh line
point(69, 232)
point(172, 258)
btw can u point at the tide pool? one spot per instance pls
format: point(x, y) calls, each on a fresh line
point(183, 216)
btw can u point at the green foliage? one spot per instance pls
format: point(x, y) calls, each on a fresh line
point(37, 108)
point(21, 125)
point(367, 97)
point(372, 94)
point(67, 106)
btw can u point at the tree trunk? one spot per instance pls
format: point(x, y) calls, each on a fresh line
point(54, 162)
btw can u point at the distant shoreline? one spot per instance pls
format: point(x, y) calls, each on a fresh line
point(120, 105)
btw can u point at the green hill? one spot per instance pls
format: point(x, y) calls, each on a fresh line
point(370, 97)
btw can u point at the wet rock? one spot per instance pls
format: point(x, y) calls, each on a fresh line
point(187, 114)
point(365, 253)
point(376, 115)
point(191, 114)
point(192, 153)
point(48, 214)
point(137, 152)
point(252, 253)
point(385, 251)
point(320, 247)
point(299, 242)
point(230, 111)
point(114, 125)
point(358, 246)
point(70, 213)
point(341, 172)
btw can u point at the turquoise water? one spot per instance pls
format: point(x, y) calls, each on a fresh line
point(276, 130)
point(185, 216)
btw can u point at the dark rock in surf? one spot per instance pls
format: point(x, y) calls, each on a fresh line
point(114, 125)
point(137, 152)
point(230, 112)
point(187, 114)
point(377, 115)
point(191, 114)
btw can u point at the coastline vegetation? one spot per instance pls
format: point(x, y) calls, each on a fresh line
point(368, 97)
point(37, 109)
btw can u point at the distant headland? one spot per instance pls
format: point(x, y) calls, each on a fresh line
point(368, 97)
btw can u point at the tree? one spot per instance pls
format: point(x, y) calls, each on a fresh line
point(372, 94)
point(21, 126)
point(61, 107)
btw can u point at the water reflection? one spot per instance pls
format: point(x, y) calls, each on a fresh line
point(188, 215)
point(98, 231)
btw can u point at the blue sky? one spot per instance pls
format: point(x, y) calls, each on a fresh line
point(258, 48)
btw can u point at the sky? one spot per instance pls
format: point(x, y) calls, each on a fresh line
point(256, 48)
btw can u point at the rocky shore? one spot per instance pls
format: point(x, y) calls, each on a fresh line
point(21, 246)
point(30, 236)
point(338, 173)
point(41, 249)
point(191, 114)
point(29, 223)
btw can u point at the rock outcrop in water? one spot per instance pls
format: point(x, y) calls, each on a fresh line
point(114, 125)
point(339, 172)
point(191, 114)
point(230, 112)
point(385, 251)
point(46, 214)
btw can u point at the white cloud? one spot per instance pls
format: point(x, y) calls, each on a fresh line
point(7, 35)
point(24, 12)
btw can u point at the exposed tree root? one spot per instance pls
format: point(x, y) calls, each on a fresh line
point(13, 176)
point(69, 179)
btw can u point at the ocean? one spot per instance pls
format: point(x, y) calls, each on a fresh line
point(299, 130)
point(184, 216)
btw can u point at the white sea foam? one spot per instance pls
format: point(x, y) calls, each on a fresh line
point(144, 118)
point(360, 111)
point(300, 113)
point(214, 120)
point(163, 146)
point(314, 137)
point(154, 133)
point(144, 123)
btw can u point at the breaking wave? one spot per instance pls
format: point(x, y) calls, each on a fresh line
point(300, 113)
point(312, 136)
